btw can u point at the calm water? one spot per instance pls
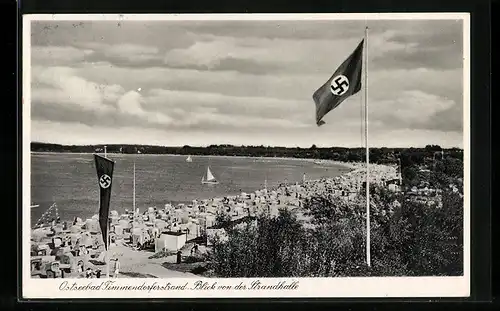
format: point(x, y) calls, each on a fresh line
point(70, 180)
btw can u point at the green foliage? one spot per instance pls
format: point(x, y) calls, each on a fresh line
point(409, 156)
point(222, 220)
point(407, 239)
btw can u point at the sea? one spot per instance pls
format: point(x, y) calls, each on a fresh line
point(70, 180)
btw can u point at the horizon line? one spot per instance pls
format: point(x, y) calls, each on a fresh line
point(232, 145)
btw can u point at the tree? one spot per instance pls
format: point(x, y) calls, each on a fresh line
point(409, 176)
point(408, 239)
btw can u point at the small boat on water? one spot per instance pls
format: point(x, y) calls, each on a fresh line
point(34, 205)
point(189, 159)
point(209, 178)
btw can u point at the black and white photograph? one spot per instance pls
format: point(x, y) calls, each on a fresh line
point(215, 147)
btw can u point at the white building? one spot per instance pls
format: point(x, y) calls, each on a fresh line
point(172, 241)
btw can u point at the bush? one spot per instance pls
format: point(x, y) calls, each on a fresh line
point(163, 253)
point(408, 239)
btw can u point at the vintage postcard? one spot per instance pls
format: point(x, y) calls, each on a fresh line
point(246, 155)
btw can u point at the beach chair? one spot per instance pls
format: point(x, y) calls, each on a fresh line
point(43, 250)
point(51, 270)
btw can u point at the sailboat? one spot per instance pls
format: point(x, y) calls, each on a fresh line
point(189, 159)
point(210, 179)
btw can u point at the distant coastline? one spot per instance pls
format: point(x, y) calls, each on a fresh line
point(340, 155)
point(327, 162)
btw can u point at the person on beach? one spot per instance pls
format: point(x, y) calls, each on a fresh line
point(79, 268)
point(194, 250)
point(88, 273)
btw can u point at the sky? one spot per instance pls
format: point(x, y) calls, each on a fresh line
point(198, 83)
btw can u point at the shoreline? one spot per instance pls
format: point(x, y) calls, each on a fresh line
point(353, 169)
point(351, 165)
point(155, 224)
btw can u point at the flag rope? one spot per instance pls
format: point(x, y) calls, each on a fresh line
point(368, 242)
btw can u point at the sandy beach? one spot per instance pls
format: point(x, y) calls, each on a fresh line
point(150, 243)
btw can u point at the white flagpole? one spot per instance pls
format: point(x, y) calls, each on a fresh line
point(265, 182)
point(108, 255)
point(400, 172)
point(368, 255)
point(134, 190)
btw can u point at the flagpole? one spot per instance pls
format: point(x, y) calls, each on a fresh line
point(133, 202)
point(108, 257)
point(368, 251)
point(400, 172)
point(265, 182)
point(108, 253)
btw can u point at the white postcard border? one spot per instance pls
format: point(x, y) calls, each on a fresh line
point(307, 287)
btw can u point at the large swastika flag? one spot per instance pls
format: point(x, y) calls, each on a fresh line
point(104, 168)
point(345, 82)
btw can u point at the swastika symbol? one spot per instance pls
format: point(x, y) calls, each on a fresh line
point(105, 181)
point(339, 85)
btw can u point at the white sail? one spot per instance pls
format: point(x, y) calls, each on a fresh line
point(189, 159)
point(210, 176)
point(210, 179)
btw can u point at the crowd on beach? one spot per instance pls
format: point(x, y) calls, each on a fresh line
point(76, 248)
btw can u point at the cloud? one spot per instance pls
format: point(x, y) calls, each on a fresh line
point(295, 30)
point(246, 81)
point(410, 109)
point(131, 103)
point(58, 55)
point(61, 86)
point(382, 83)
point(210, 50)
point(288, 96)
point(410, 44)
point(66, 90)
point(56, 132)
point(132, 55)
point(426, 45)
point(216, 53)
point(164, 35)
point(262, 107)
